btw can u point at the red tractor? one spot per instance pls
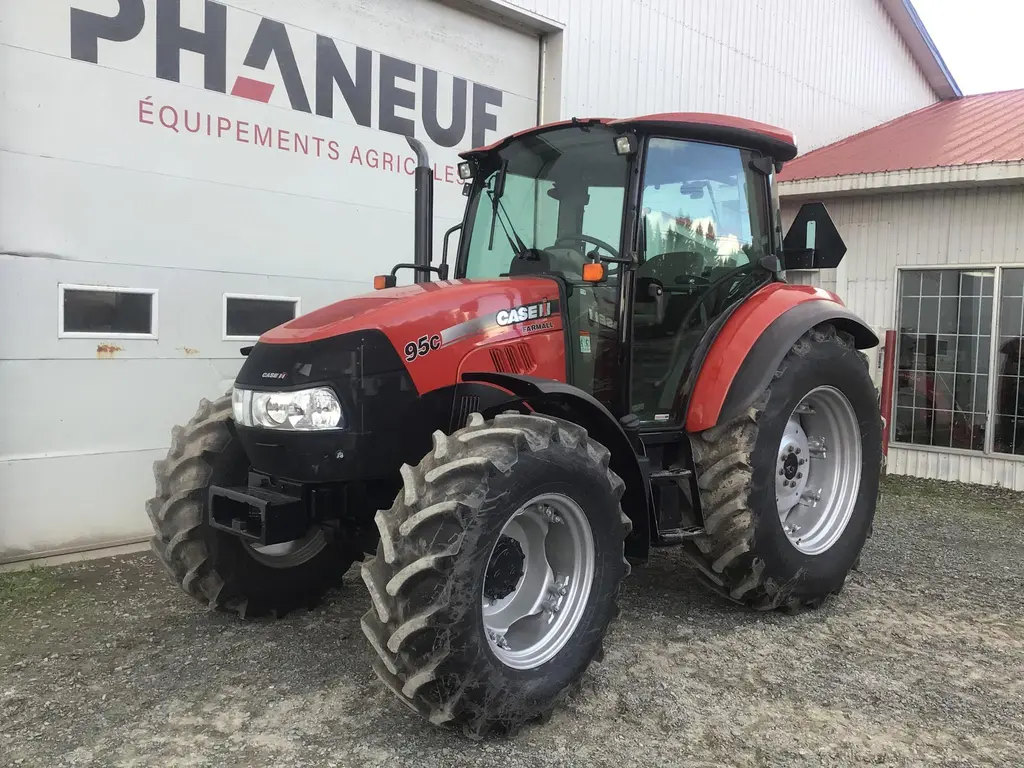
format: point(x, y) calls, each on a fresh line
point(617, 364)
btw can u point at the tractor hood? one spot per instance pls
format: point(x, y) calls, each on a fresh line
point(434, 327)
point(432, 308)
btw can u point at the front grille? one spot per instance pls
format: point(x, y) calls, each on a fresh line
point(513, 358)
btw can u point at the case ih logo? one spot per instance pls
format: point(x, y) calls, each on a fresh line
point(526, 312)
point(395, 86)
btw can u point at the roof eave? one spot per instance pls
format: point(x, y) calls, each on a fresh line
point(923, 48)
point(907, 180)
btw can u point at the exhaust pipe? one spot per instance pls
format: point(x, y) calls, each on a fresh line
point(423, 211)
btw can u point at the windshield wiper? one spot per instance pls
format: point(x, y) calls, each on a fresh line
point(518, 246)
point(495, 195)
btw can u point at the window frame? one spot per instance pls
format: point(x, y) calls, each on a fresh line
point(476, 192)
point(988, 448)
point(154, 314)
point(296, 301)
point(764, 182)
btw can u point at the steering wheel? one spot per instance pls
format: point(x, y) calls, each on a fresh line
point(664, 268)
point(588, 239)
point(708, 292)
point(702, 305)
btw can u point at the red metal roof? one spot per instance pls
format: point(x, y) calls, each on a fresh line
point(987, 128)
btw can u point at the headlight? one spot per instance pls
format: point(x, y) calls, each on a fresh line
point(302, 410)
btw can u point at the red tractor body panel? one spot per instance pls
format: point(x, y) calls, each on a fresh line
point(438, 327)
point(737, 337)
point(780, 136)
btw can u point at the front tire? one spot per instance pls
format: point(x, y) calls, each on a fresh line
point(212, 566)
point(789, 488)
point(457, 564)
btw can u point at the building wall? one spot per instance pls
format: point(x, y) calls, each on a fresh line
point(933, 228)
point(824, 69)
point(111, 175)
point(96, 189)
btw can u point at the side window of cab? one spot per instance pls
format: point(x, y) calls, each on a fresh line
point(705, 226)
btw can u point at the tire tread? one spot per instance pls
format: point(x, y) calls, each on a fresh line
point(180, 480)
point(177, 511)
point(448, 493)
point(724, 558)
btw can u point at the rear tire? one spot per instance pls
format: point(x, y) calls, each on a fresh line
point(750, 554)
point(213, 566)
point(430, 578)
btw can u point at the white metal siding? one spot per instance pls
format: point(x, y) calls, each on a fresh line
point(951, 226)
point(825, 278)
point(93, 192)
point(941, 465)
point(882, 232)
point(823, 68)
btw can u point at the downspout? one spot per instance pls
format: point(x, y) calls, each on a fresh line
point(542, 76)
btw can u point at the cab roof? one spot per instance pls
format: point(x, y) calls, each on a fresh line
point(777, 143)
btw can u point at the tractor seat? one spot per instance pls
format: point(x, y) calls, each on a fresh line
point(687, 339)
point(564, 261)
point(672, 270)
point(674, 267)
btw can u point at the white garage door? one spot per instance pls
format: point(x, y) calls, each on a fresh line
point(173, 175)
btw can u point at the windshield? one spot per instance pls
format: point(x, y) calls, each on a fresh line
point(562, 200)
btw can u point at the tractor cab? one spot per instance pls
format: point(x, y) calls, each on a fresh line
point(654, 228)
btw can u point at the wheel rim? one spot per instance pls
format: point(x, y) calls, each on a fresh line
point(289, 554)
point(817, 474)
point(538, 580)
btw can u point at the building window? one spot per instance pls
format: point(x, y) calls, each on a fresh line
point(1009, 374)
point(953, 390)
point(99, 311)
point(246, 318)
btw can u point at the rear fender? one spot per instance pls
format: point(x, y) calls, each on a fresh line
point(743, 358)
point(565, 401)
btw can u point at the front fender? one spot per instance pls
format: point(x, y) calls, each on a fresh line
point(748, 350)
point(565, 401)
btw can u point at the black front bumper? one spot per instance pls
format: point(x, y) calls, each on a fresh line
point(377, 396)
point(262, 513)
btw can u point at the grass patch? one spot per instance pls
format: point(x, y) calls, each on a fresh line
point(28, 586)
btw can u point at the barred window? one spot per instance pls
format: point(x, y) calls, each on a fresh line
point(1008, 398)
point(942, 373)
point(953, 390)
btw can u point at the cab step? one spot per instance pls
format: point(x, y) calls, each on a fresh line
point(670, 475)
point(679, 535)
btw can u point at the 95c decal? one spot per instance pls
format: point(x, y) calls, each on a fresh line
point(424, 345)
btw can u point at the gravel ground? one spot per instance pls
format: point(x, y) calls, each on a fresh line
point(919, 662)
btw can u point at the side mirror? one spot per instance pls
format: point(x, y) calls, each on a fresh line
point(812, 242)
